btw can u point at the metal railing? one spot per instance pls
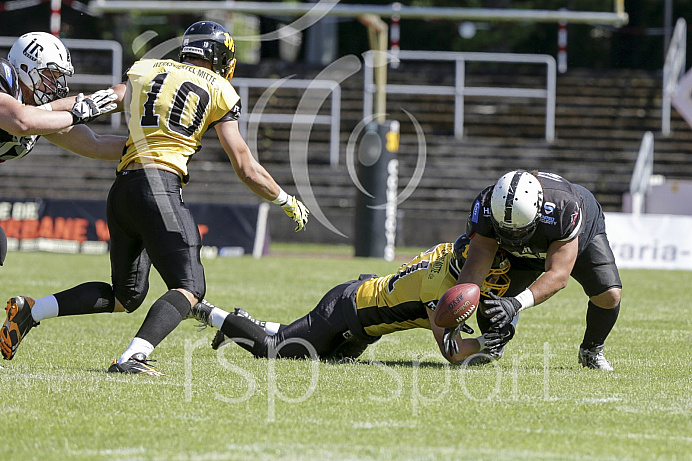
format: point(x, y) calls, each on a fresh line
point(673, 70)
point(643, 170)
point(106, 80)
point(459, 90)
point(253, 118)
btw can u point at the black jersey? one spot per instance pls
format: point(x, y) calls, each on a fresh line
point(12, 146)
point(569, 211)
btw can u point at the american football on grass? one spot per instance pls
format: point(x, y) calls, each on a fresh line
point(457, 305)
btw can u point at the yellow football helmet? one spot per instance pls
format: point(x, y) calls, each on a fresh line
point(498, 279)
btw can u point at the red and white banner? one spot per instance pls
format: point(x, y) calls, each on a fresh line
point(649, 241)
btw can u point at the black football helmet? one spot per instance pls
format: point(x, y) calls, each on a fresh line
point(497, 280)
point(210, 41)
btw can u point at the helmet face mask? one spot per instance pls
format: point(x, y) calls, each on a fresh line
point(498, 279)
point(210, 41)
point(42, 62)
point(515, 205)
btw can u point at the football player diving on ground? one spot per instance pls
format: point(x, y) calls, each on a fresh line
point(357, 313)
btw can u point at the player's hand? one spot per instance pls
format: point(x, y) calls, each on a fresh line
point(449, 340)
point(298, 212)
point(498, 338)
point(87, 109)
point(501, 310)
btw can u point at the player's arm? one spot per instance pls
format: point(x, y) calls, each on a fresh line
point(20, 120)
point(479, 260)
point(254, 176)
point(81, 140)
point(460, 350)
point(559, 262)
point(68, 102)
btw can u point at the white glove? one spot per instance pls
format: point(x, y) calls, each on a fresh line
point(87, 109)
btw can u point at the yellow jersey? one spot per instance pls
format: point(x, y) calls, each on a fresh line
point(172, 106)
point(398, 301)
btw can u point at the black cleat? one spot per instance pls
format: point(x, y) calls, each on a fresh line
point(137, 364)
point(201, 312)
point(219, 340)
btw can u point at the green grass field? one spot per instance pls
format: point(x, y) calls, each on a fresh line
point(400, 401)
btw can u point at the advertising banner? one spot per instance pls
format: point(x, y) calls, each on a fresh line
point(79, 226)
point(649, 241)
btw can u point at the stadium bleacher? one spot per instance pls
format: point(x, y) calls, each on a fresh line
point(601, 117)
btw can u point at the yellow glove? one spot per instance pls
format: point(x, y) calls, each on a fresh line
point(295, 210)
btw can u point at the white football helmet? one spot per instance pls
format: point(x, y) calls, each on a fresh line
point(42, 62)
point(515, 206)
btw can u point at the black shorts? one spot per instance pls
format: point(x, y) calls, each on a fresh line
point(149, 224)
point(595, 267)
point(324, 328)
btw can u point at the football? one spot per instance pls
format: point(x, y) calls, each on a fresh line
point(457, 305)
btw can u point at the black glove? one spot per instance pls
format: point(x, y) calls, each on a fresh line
point(466, 329)
point(501, 310)
point(495, 339)
point(449, 340)
point(450, 336)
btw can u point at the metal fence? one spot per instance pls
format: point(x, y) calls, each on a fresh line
point(460, 90)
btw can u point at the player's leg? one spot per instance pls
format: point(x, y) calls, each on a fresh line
point(173, 243)
point(242, 329)
point(597, 273)
point(317, 334)
point(270, 328)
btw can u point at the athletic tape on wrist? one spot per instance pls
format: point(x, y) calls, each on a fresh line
point(526, 299)
point(282, 198)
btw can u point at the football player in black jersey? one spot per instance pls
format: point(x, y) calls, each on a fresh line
point(171, 105)
point(551, 229)
point(32, 76)
point(355, 314)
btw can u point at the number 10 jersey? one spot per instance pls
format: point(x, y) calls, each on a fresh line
point(172, 105)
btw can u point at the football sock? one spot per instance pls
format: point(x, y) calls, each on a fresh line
point(87, 298)
point(137, 345)
point(272, 328)
point(599, 322)
point(217, 317)
point(45, 308)
point(246, 333)
point(164, 316)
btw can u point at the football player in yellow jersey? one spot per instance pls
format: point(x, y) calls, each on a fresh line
point(171, 105)
point(357, 313)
